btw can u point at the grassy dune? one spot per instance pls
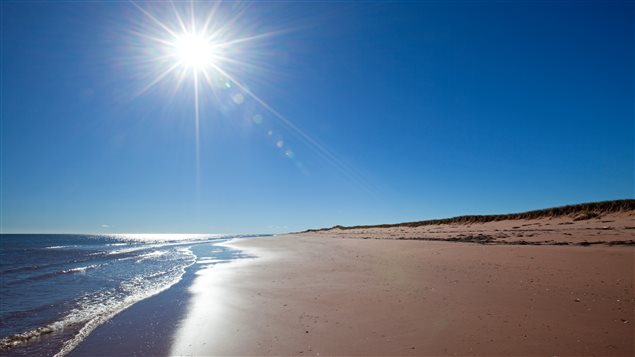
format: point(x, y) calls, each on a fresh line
point(577, 212)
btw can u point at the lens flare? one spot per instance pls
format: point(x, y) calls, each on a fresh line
point(214, 51)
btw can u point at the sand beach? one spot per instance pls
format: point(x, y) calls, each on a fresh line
point(336, 292)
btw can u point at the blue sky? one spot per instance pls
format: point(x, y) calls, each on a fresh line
point(429, 109)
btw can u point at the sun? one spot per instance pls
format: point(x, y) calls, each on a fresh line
point(193, 51)
point(210, 46)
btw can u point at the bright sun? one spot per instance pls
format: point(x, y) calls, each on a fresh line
point(207, 50)
point(194, 51)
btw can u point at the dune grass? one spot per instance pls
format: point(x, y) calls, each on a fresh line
point(576, 212)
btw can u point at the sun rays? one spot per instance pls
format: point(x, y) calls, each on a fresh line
point(209, 49)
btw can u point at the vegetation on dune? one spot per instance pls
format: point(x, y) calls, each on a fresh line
point(576, 212)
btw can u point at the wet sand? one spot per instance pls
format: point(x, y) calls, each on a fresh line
point(323, 294)
point(147, 328)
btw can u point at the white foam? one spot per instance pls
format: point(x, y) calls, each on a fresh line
point(96, 308)
point(151, 255)
point(80, 269)
point(94, 313)
point(211, 261)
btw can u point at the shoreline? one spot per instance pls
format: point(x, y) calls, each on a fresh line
point(148, 326)
point(536, 286)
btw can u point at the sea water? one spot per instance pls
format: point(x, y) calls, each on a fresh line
point(56, 289)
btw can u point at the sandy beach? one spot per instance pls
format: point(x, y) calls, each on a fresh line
point(310, 178)
point(326, 293)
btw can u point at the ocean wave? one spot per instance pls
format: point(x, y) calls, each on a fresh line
point(117, 306)
point(27, 268)
point(79, 269)
point(17, 339)
point(154, 245)
point(96, 308)
point(52, 274)
point(137, 248)
point(211, 261)
point(126, 250)
point(152, 255)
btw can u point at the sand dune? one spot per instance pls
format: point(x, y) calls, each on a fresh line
point(604, 223)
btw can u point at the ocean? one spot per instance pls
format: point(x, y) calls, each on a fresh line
point(56, 289)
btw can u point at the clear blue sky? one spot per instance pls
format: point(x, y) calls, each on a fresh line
point(433, 109)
